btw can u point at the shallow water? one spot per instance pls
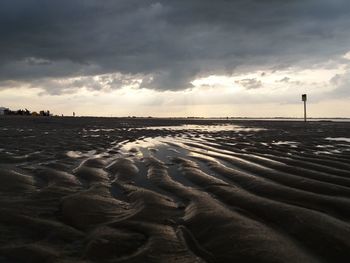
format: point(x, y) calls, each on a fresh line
point(339, 139)
point(209, 128)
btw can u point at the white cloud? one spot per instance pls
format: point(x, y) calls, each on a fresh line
point(347, 55)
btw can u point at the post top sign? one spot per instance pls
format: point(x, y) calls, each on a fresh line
point(303, 97)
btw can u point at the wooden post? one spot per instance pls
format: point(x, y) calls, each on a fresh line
point(304, 98)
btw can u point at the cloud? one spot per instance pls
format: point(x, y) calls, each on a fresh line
point(250, 83)
point(341, 82)
point(285, 79)
point(165, 43)
point(347, 56)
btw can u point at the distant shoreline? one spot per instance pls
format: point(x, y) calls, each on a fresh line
point(336, 119)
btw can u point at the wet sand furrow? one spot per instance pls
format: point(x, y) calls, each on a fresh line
point(300, 181)
point(288, 179)
point(285, 158)
point(302, 156)
point(323, 160)
point(338, 207)
point(274, 163)
point(297, 170)
point(293, 161)
point(305, 225)
point(330, 159)
point(304, 152)
point(335, 154)
point(228, 226)
point(151, 190)
point(162, 245)
point(163, 242)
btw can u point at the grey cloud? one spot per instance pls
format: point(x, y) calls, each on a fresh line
point(172, 41)
point(342, 84)
point(103, 83)
point(250, 83)
point(288, 80)
point(285, 79)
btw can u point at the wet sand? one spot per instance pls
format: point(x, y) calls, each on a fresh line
point(166, 190)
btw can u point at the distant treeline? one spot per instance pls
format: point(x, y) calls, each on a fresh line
point(26, 112)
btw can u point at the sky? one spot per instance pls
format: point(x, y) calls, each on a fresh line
point(242, 58)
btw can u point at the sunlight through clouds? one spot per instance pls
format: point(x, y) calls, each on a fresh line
point(118, 95)
point(165, 58)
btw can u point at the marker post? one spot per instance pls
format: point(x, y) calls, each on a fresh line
point(304, 99)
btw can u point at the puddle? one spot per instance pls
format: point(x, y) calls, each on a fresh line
point(209, 128)
point(288, 143)
point(89, 154)
point(340, 139)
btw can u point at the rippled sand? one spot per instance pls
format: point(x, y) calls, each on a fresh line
point(157, 190)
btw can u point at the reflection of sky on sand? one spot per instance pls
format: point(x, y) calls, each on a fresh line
point(341, 145)
point(99, 130)
point(183, 144)
point(209, 128)
point(288, 143)
point(164, 149)
point(340, 139)
point(184, 141)
point(328, 152)
point(167, 149)
point(89, 154)
point(138, 147)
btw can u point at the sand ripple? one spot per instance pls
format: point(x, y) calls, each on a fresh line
point(248, 192)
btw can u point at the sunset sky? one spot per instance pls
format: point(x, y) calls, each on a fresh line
point(251, 58)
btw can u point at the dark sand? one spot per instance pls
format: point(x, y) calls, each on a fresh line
point(133, 190)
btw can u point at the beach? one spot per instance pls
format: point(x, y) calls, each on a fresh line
point(173, 190)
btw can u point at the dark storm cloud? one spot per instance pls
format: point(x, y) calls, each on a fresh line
point(173, 41)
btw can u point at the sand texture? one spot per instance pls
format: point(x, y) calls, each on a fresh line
point(162, 190)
